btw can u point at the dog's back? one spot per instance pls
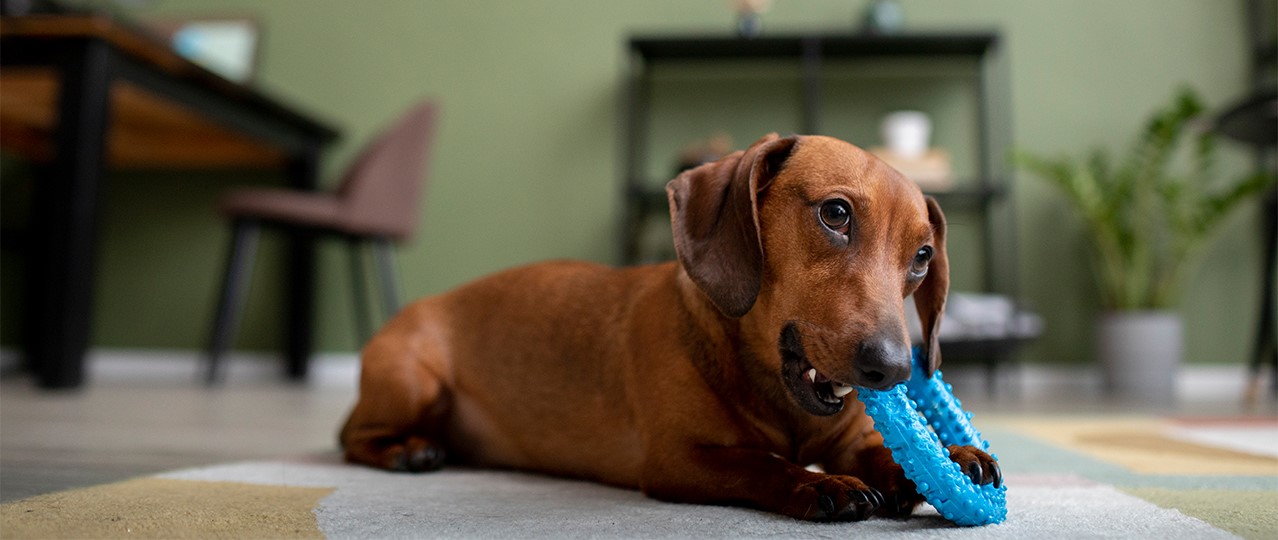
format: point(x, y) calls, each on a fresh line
point(518, 365)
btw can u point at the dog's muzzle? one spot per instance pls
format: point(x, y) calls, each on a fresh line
point(879, 364)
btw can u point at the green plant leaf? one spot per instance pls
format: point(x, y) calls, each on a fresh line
point(1148, 224)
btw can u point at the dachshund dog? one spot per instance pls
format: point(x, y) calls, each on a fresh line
point(716, 379)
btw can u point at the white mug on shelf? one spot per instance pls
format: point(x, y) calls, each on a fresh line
point(906, 133)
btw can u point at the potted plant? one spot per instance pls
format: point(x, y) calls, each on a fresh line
point(1148, 221)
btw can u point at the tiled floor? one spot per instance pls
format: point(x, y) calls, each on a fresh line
point(145, 413)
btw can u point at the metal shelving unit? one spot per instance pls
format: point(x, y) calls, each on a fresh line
point(986, 198)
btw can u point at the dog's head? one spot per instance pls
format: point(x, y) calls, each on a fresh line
point(816, 243)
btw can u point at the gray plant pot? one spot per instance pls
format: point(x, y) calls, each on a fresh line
point(1140, 354)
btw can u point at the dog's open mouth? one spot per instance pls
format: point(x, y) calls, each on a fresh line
point(811, 389)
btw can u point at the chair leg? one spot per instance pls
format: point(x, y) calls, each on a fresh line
point(386, 268)
point(239, 268)
point(360, 290)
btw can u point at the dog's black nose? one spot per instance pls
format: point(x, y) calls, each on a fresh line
point(882, 363)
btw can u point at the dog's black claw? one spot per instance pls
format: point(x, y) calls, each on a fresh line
point(900, 505)
point(858, 497)
point(876, 498)
point(974, 472)
point(423, 459)
point(826, 503)
point(429, 458)
point(997, 472)
point(864, 504)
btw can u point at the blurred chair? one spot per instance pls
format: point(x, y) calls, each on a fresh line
point(376, 202)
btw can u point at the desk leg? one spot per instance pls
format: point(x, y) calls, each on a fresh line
point(299, 280)
point(64, 220)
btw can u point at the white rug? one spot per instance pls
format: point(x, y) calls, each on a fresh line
point(1136, 477)
point(491, 504)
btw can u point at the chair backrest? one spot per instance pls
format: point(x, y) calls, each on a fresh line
point(381, 193)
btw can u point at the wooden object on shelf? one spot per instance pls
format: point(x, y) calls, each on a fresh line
point(931, 171)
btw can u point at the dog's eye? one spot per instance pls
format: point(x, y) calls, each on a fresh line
point(836, 215)
point(918, 267)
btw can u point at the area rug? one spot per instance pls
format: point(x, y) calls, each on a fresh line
point(1067, 477)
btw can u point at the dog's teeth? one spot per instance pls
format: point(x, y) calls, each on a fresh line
point(811, 374)
point(840, 390)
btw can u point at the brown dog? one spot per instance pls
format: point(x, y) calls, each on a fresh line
point(714, 380)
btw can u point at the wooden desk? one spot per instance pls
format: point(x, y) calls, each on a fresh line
point(82, 93)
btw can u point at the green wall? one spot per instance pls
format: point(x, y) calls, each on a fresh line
point(526, 165)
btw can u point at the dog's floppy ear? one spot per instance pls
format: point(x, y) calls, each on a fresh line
point(929, 298)
point(715, 219)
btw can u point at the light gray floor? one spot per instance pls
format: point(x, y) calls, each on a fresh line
point(146, 416)
point(144, 413)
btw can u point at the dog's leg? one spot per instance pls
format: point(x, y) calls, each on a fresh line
point(400, 400)
point(758, 479)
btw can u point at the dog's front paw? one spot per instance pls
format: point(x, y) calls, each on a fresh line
point(877, 467)
point(977, 465)
point(837, 498)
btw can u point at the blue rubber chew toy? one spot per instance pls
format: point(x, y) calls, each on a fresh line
point(899, 414)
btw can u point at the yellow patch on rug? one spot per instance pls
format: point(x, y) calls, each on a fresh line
point(1143, 445)
point(164, 508)
point(1249, 514)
